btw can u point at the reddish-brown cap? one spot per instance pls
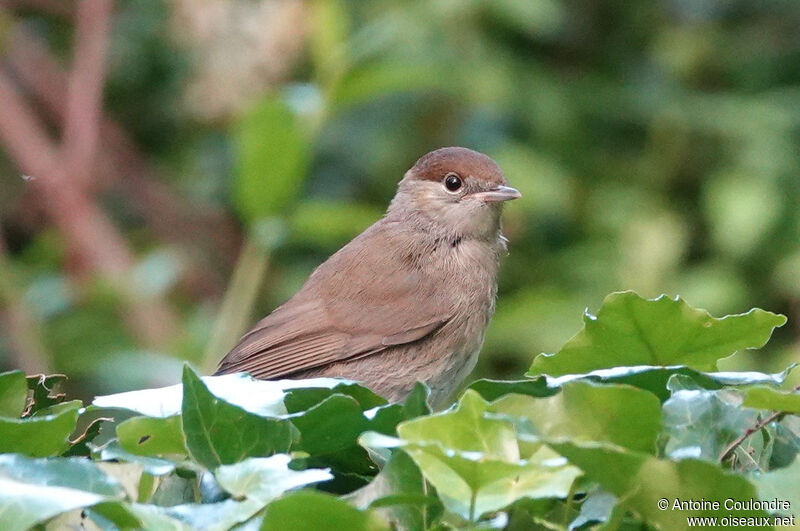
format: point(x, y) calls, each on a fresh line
point(465, 162)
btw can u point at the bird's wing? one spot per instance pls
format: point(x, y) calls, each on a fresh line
point(362, 300)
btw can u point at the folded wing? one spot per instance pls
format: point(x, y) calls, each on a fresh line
point(356, 304)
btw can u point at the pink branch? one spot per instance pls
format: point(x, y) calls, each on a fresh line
point(85, 226)
point(85, 88)
point(122, 164)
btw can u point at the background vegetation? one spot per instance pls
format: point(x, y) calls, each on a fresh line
point(171, 171)
point(629, 426)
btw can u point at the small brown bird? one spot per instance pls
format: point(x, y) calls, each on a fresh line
point(408, 299)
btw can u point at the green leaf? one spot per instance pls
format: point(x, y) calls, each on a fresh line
point(329, 433)
point(493, 389)
point(464, 428)
point(584, 411)
point(271, 160)
point(34, 490)
point(640, 481)
point(649, 378)
point(112, 516)
point(219, 433)
point(149, 436)
point(330, 426)
point(13, 393)
point(701, 424)
point(312, 511)
point(597, 507)
point(472, 485)
point(629, 330)
point(191, 516)
point(80, 445)
point(384, 419)
point(781, 484)
point(772, 399)
point(265, 478)
point(303, 398)
point(152, 465)
point(44, 395)
point(256, 396)
point(42, 435)
point(786, 442)
point(655, 379)
point(473, 459)
point(399, 494)
point(416, 404)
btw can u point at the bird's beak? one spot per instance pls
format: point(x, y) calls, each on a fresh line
point(500, 193)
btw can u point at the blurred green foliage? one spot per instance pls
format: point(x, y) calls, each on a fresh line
point(655, 144)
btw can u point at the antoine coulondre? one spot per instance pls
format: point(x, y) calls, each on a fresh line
point(730, 504)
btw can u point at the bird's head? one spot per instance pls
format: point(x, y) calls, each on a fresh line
point(457, 191)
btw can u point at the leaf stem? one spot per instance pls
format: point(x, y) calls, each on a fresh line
point(472, 502)
point(238, 302)
point(774, 416)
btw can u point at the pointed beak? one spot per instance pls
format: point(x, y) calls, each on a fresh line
point(500, 193)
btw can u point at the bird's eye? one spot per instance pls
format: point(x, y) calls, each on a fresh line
point(452, 182)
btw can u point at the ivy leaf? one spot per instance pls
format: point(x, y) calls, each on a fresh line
point(474, 461)
point(655, 379)
point(44, 395)
point(399, 493)
point(207, 516)
point(35, 490)
point(622, 415)
point(312, 511)
point(13, 393)
point(265, 478)
point(786, 442)
point(384, 419)
point(80, 446)
point(629, 330)
point(781, 484)
point(416, 404)
point(304, 398)
point(329, 434)
point(647, 377)
point(597, 507)
point(640, 481)
point(152, 436)
point(259, 397)
point(45, 434)
point(219, 433)
point(330, 426)
point(465, 429)
point(152, 465)
point(539, 386)
point(701, 423)
point(766, 398)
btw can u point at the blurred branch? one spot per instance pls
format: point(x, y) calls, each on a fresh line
point(240, 296)
point(88, 231)
point(775, 416)
point(122, 164)
point(85, 87)
point(25, 346)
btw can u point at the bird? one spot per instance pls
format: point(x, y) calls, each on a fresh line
point(407, 300)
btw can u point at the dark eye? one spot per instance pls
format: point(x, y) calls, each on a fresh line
point(452, 182)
